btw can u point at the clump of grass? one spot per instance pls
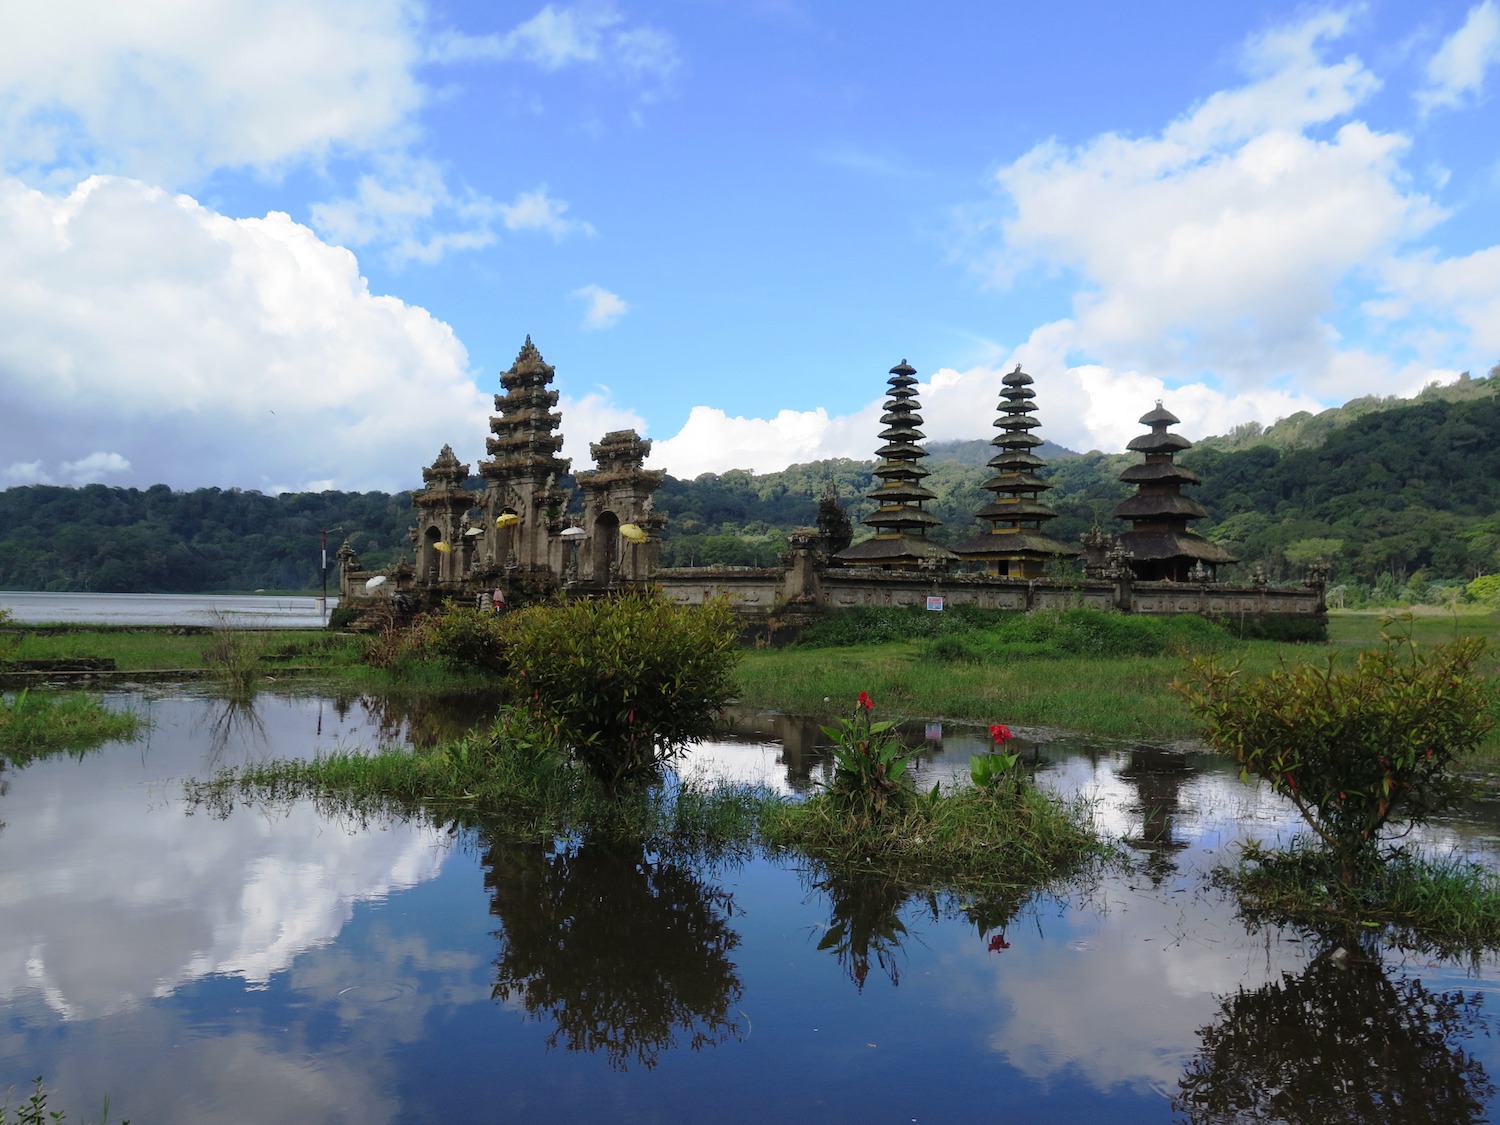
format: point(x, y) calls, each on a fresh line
point(234, 655)
point(969, 840)
point(511, 774)
point(34, 1111)
point(1445, 906)
point(33, 725)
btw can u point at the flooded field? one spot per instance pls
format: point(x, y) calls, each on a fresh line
point(287, 966)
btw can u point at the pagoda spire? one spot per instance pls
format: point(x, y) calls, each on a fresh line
point(1161, 545)
point(1015, 545)
point(900, 522)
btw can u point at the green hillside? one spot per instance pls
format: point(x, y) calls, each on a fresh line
point(1390, 491)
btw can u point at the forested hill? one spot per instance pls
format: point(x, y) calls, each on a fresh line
point(1380, 487)
point(160, 541)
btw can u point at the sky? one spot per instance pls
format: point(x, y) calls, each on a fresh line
point(290, 245)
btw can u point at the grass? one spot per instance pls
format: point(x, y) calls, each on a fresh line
point(970, 841)
point(33, 725)
point(1447, 906)
point(507, 775)
point(1109, 696)
point(34, 1111)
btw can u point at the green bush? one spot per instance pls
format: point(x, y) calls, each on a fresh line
point(1353, 751)
point(1079, 632)
point(624, 683)
point(870, 766)
point(464, 639)
point(870, 625)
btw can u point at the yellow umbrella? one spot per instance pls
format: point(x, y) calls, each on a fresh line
point(506, 519)
point(446, 548)
point(633, 533)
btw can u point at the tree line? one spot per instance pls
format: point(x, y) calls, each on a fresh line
point(1387, 491)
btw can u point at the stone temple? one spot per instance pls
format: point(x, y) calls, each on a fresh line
point(522, 532)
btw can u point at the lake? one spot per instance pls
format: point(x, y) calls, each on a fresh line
point(250, 611)
point(295, 965)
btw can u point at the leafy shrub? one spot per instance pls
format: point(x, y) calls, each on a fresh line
point(1287, 628)
point(465, 639)
point(1080, 632)
point(868, 625)
point(1353, 751)
point(624, 683)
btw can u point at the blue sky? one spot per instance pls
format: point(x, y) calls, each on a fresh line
point(290, 244)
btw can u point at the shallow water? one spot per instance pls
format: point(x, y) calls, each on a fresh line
point(285, 966)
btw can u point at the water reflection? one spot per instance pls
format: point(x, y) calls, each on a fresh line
point(1341, 1042)
point(419, 720)
point(1158, 775)
point(625, 954)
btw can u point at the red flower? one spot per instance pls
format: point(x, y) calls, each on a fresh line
point(999, 733)
point(998, 942)
point(865, 701)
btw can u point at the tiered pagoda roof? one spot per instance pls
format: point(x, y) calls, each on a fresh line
point(1015, 543)
point(525, 444)
point(900, 522)
point(1160, 543)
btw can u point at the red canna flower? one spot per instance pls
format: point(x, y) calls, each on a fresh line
point(998, 942)
point(865, 701)
point(999, 733)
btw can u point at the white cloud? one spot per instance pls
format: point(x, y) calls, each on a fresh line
point(1218, 249)
point(604, 308)
point(563, 36)
point(408, 208)
point(1456, 72)
point(587, 418)
point(169, 91)
point(536, 210)
point(713, 442)
point(95, 467)
point(245, 353)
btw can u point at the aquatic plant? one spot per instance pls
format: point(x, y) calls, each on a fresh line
point(34, 1111)
point(1353, 751)
point(34, 724)
point(625, 684)
point(234, 654)
point(990, 770)
point(870, 764)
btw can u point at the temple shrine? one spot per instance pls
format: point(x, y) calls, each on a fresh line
point(524, 531)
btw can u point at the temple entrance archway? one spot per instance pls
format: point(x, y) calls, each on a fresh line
point(605, 546)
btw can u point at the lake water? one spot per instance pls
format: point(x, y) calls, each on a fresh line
point(251, 611)
point(291, 965)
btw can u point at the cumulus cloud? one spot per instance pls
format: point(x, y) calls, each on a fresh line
point(604, 308)
point(409, 208)
point(249, 354)
point(168, 91)
point(1218, 244)
point(1455, 74)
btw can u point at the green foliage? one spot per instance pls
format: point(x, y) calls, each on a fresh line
point(123, 539)
point(1485, 590)
point(870, 765)
point(462, 638)
point(34, 1111)
point(34, 724)
point(866, 625)
point(1353, 751)
point(1060, 634)
point(624, 683)
point(234, 655)
point(1288, 628)
point(996, 768)
point(1448, 907)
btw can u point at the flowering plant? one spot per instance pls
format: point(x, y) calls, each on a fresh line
point(990, 769)
point(869, 762)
